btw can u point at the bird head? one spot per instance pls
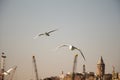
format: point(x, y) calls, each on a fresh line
point(47, 34)
point(71, 47)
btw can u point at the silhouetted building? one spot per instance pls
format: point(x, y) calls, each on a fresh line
point(100, 68)
point(118, 76)
point(52, 78)
point(68, 76)
point(100, 74)
point(115, 76)
point(90, 76)
point(79, 76)
point(107, 77)
point(113, 73)
point(62, 76)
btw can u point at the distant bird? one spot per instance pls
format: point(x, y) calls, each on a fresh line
point(46, 33)
point(73, 48)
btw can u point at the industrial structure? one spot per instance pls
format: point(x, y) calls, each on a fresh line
point(99, 75)
point(35, 68)
point(2, 67)
point(10, 72)
point(74, 66)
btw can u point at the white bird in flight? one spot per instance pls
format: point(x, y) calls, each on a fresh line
point(46, 33)
point(73, 48)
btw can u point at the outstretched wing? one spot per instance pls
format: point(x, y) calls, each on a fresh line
point(52, 31)
point(40, 34)
point(37, 36)
point(81, 53)
point(63, 46)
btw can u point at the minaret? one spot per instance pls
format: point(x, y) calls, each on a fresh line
point(100, 68)
point(84, 68)
point(113, 73)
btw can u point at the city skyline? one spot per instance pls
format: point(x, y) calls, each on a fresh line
point(92, 26)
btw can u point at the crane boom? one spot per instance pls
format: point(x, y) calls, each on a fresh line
point(74, 66)
point(75, 63)
point(14, 69)
point(35, 68)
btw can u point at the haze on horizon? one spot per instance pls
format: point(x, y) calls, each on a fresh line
point(93, 26)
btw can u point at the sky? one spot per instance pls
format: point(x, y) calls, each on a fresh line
point(91, 25)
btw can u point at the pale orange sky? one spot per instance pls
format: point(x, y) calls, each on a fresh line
point(92, 26)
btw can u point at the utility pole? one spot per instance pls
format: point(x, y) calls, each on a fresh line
point(2, 67)
point(35, 68)
point(74, 66)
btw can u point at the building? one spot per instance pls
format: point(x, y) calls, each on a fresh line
point(100, 68)
point(90, 76)
point(107, 77)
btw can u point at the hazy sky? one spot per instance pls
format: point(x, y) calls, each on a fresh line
point(91, 25)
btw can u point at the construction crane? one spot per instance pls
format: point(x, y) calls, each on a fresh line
point(13, 73)
point(3, 72)
point(74, 66)
point(2, 67)
point(35, 68)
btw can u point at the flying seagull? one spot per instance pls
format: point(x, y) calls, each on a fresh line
point(46, 33)
point(73, 48)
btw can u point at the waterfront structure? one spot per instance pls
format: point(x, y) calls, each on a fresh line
point(100, 68)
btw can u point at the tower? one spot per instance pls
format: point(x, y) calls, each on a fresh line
point(113, 73)
point(84, 69)
point(100, 68)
